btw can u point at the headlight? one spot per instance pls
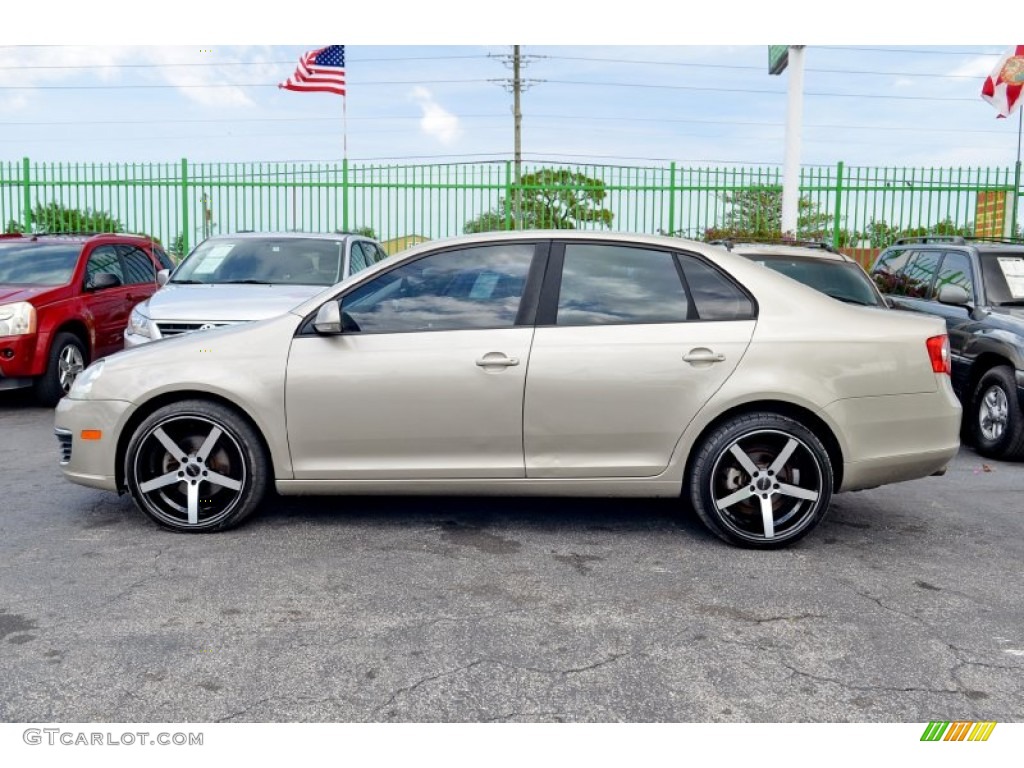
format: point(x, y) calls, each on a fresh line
point(85, 380)
point(17, 319)
point(138, 322)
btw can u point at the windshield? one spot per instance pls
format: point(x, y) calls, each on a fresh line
point(285, 260)
point(37, 264)
point(841, 280)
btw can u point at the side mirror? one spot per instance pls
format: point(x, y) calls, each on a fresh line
point(162, 277)
point(955, 295)
point(103, 280)
point(328, 319)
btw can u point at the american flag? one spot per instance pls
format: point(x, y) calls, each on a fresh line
point(319, 70)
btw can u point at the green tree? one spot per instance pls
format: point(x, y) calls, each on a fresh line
point(54, 217)
point(13, 228)
point(881, 235)
point(549, 198)
point(756, 213)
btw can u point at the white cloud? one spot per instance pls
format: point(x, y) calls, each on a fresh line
point(437, 121)
point(976, 66)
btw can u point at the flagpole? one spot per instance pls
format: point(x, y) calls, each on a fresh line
point(1016, 175)
point(344, 128)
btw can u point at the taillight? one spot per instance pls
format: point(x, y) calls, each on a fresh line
point(938, 351)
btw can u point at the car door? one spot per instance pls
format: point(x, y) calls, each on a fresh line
point(427, 379)
point(139, 273)
point(625, 354)
point(109, 307)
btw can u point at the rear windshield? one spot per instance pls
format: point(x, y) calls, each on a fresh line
point(1004, 277)
point(289, 261)
point(841, 280)
point(37, 263)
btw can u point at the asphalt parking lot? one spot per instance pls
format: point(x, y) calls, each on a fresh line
point(905, 605)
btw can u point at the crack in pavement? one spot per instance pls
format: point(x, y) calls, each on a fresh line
point(466, 667)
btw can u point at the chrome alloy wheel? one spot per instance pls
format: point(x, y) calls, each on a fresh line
point(70, 363)
point(767, 486)
point(190, 472)
point(993, 413)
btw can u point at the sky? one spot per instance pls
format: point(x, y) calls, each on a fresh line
point(425, 89)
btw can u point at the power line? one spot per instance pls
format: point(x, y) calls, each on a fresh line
point(750, 67)
point(478, 80)
point(904, 50)
point(22, 67)
point(501, 116)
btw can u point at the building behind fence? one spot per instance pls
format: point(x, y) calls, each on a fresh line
point(181, 203)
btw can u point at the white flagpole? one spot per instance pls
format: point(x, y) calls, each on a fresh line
point(344, 128)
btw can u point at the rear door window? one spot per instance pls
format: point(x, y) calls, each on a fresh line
point(614, 284)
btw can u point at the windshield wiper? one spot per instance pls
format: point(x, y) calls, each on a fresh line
point(1012, 303)
point(187, 282)
point(248, 281)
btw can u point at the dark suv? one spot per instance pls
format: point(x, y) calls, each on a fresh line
point(977, 287)
point(65, 301)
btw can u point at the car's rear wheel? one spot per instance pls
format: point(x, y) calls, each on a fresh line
point(68, 358)
point(761, 480)
point(996, 420)
point(196, 466)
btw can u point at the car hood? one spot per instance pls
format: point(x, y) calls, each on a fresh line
point(35, 293)
point(225, 303)
point(1017, 313)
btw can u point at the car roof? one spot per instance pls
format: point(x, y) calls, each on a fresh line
point(72, 237)
point(979, 244)
point(291, 235)
point(802, 251)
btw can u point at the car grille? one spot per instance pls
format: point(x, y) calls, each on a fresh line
point(64, 440)
point(176, 329)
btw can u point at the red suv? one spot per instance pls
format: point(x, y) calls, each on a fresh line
point(65, 301)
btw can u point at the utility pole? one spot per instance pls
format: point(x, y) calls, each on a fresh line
point(517, 116)
point(516, 85)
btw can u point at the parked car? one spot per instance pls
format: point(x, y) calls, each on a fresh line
point(236, 278)
point(977, 287)
point(815, 264)
point(64, 300)
point(529, 363)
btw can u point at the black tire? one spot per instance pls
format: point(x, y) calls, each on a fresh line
point(760, 481)
point(68, 357)
point(191, 492)
point(996, 421)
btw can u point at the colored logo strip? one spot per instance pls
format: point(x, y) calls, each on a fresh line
point(959, 730)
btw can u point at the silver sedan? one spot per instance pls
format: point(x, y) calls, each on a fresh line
point(530, 363)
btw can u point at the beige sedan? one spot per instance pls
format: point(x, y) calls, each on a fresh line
point(530, 363)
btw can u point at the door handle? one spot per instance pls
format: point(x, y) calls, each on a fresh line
point(703, 355)
point(498, 360)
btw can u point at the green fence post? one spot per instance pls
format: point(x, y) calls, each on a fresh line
point(184, 208)
point(671, 198)
point(508, 195)
point(1017, 192)
point(344, 194)
point(839, 205)
point(27, 184)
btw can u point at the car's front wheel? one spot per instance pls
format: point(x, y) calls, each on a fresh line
point(67, 358)
point(996, 419)
point(761, 480)
point(196, 466)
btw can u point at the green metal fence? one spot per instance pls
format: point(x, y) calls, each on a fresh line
point(180, 203)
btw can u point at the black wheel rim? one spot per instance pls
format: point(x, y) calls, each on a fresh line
point(767, 486)
point(190, 472)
